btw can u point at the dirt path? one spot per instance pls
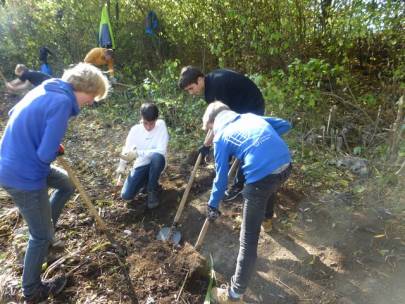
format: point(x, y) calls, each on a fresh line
point(322, 249)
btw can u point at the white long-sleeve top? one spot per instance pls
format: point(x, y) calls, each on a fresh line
point(146, 142)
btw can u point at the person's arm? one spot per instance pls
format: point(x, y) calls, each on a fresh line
point(110, 64)
point(56, 125)
point(221, 178)
point(17, 85)
point(281, 126)
point(49, 51)
point(129, 145)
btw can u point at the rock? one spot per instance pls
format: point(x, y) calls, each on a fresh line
point(355, 164)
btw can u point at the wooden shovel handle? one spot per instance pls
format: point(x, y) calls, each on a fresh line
point(189, 184)
point(202, 234)
point(83, 194)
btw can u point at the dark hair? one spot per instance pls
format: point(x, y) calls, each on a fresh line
point(149, 111)
point(109, 52)
point(189, 75)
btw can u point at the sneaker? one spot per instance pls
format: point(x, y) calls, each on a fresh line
point(232, 193)
point(47, 288)
point(153, 201)
point(222, 296)
point(267, 225)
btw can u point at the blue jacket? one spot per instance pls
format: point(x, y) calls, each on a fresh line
point(254, 140)
point(33, 133)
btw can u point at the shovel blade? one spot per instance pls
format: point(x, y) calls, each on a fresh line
point(163, 235)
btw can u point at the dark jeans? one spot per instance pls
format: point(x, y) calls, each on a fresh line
point(256, 196)
point(41, 214)
point(145, 175)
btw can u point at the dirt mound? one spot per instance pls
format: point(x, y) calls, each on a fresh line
point(159, 269)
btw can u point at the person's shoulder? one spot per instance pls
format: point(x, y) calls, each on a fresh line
point(160, 122)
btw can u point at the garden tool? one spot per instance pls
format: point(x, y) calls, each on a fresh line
point(204, 228)
point(171, 233)
point(202, 234)
point(87, 201)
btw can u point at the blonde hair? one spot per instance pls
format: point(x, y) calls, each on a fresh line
point(88, 79)
point(20, 68)
point(212, 111)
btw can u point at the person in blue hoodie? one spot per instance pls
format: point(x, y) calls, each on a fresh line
point(29, 145)
point(266, 164)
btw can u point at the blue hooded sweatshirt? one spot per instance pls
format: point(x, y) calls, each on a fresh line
point(33, 133)
point(253, 139)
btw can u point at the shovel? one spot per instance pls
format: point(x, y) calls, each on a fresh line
point(87, 201)
point(171, 233)
point(204, 228)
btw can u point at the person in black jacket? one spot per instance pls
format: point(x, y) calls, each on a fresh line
point(43, 58)
point(235, 90)
point(43, 54)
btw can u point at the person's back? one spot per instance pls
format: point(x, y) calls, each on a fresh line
point(101, 56)
point(235, 90)
point(34, 77)
point(24, 153)
point(43, 54)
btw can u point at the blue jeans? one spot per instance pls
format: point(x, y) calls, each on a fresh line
point(257, 196)
point(41, 214)
point(145, 175)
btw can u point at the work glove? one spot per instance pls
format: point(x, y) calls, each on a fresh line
point(204, 150)
point(129, 156)
point(212, 213)
point(121, 167)
point(61, 150)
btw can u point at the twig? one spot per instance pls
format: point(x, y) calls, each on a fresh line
point(375, 126)
point(400, 169)
point(61, 260)
point(349, 103)
point(285, 285)
point(182, 286)
point(396, 131)
point(124, 85)
point(330, 118)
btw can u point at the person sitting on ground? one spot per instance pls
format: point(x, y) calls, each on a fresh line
point(147, 143)
point(235, 90)
point(30, 144)
point(102, 56)
point(266, 165)
point(26, 77)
